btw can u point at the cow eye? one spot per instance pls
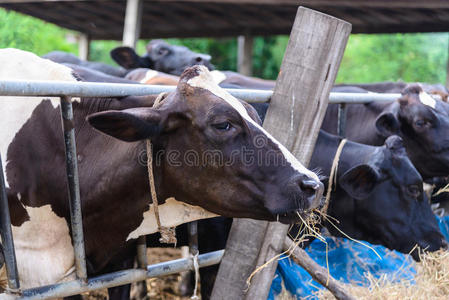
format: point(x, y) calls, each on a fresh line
point(421, 123)
point(162, 51)
point(223, 126)
point(414, 190)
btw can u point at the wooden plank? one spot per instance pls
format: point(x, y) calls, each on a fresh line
point(334, 3)
point(297, 108)
point(83, 46)
point(245, 55)
point(133, 21)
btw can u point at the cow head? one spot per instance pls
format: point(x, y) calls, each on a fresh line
point(210, 150)
point(162, 57)
point(388, 205)
point(423, 123)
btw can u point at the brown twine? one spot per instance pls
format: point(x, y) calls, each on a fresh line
point(168, 234)
point(333, 176)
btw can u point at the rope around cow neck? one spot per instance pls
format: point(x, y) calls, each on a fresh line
point(168, 234)
point(333, 176)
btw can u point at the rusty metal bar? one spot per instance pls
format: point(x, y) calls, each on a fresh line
point(142, 260)
point(75, 287)
point(73, 185)
point(7, 244)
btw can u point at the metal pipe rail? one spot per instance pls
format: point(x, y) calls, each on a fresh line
point(121, 277)
point(94, 89)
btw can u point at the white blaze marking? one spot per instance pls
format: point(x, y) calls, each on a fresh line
point(426, 99)
point(172, 213)
point(15, 111)
point(218, 76)
point(149, 75)
point(44, 249)
point(205, 81)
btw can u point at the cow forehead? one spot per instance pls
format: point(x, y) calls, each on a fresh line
point(205, 80)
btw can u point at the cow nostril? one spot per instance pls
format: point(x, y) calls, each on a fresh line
point(198, 59)
point(313, 191)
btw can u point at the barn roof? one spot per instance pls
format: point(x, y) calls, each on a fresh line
point(215, 18)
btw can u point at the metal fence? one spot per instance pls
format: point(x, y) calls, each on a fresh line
point(65, 91)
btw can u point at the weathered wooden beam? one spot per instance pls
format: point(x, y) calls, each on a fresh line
point(245, 54)
point(297, 108)
point(334, 3)
point(447, 69)
point(133, 21)
point(83, 46)
point(317, 272)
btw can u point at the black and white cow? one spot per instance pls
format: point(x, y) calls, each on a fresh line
point(198, 119)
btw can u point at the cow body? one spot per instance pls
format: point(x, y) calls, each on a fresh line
point(65, 57)
point(113, 176)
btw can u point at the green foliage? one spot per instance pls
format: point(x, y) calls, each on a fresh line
point(368, 58)
point(406, 57)
point(28, 33)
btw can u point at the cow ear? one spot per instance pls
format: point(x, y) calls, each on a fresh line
point(387, 124)
point(359, 182)
point(126, 57)
point(128, 125)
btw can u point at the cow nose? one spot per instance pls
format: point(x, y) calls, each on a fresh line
point(199, 59)
point(313, 191)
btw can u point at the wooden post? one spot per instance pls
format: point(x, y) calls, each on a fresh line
point(83, 46)
point(133, 20)
point(245, 54)
point(296, 111)
point(447, 67)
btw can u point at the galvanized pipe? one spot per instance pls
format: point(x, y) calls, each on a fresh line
point(341, 129)
point(94, 89)
point(75, 287)
point(7, 240)
point(74, 189)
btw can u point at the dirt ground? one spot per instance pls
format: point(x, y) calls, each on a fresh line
point(162, 288)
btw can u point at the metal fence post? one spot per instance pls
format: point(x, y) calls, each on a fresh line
point(74, 189)
point(341, 130)
point(7, 239)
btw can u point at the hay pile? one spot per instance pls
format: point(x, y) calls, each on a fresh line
point(431, 282)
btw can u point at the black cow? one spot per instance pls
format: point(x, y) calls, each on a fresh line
point(69, 58)
point(422, 122)
point(162, 57)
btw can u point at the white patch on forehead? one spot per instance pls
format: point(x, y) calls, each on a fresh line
point(218, 76)
point(43, 248)
point(172, 213)
point(15, 111)
point(149, 75)
point(426, 99)
point(205, 81)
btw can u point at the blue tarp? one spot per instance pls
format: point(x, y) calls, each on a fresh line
point(348, 261)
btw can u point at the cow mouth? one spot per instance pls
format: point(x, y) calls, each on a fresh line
point(293, 216)
point(441, 150)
